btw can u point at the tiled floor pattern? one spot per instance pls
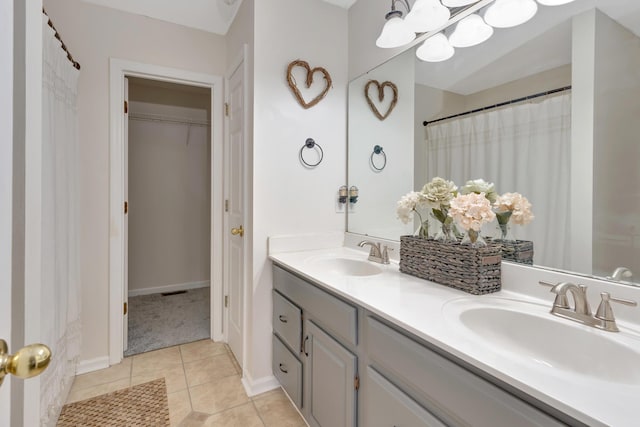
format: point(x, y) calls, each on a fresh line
point(203, 387)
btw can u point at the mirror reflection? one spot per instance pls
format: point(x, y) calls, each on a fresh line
point(572, 150)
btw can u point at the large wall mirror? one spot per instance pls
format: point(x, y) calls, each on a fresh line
point(573, 151)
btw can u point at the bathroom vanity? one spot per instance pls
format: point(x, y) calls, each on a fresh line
point(360, 344)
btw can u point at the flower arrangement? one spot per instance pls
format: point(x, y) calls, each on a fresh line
point(475, 204)
point(471, 211)
point(512, 206)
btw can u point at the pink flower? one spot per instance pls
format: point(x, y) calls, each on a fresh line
point(471, 210)
point(518, 205)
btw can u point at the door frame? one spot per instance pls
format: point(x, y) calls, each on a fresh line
point(239, 61)
point(118, 69)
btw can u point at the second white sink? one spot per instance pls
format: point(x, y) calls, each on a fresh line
point(527, 330)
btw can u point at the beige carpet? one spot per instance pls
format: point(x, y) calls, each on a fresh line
point(141, 405)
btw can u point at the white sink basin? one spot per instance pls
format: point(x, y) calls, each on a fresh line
point(526, 330)
point(344, 266)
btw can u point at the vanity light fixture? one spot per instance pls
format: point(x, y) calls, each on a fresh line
point(396, 32)
point(509, 13)
point(427, 15)
point(470, 31)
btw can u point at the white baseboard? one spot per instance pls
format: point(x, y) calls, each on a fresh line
point(169, 288)
point(85, 366)
point(254, 387)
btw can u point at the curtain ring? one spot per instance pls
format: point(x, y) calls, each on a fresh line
point(378, 150)
point(310, 143)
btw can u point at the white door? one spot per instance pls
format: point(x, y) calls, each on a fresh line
point(235, 210)
point(6, 183)
point(125, 223)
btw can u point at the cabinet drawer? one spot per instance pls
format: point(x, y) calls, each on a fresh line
point(386, 405)
point(452, 393)
point(287, 322)
point(336, 316)
point(288, 370)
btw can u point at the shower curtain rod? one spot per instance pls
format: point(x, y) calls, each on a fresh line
point(75, 63)
point(513, 101)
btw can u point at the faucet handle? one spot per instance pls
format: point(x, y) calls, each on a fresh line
point(605, 312)
point(561, 300)
point(385, 254)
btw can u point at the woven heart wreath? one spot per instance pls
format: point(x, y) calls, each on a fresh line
point(308, 82)
point(381, 87)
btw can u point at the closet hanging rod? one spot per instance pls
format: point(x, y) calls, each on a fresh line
point(145, 118)
point(513, 101)
point(75, 63)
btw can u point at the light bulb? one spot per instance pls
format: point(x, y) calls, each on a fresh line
point(427, 15)
point(395, 33)
point(435, 49)
point(509, 13)
point(470, 31)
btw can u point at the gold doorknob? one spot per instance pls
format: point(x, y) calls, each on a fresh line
point(28, 362)
point(238, 231)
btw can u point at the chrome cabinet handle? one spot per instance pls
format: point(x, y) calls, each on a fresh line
point(282, 368)
point(304, 345)
point(283, 319)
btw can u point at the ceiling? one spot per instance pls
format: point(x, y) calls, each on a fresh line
point(214, 16)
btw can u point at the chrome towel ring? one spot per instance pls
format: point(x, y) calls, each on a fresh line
point(311, 144)
point(377, 150)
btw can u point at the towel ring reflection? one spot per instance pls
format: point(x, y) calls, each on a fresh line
point(378, 150)
point(310, 144)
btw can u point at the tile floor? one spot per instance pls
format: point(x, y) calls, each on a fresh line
point(203, 387)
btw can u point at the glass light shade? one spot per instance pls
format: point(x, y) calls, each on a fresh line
point(457, 3)
point(509, 13)
point(395, 33)
point(470, 31)
point(435, 49)
point(427, 15)
point(554, 2)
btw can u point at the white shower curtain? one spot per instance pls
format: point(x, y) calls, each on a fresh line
point(523, 148)
point(60, 312)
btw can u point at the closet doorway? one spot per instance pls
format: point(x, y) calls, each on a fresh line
point(168, 227)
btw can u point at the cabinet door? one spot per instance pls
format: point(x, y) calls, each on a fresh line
point(330, 373)
point(385, 405)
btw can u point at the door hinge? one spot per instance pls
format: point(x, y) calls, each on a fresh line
point(126, 309)
point(126, 207)
point(356, 382)
point(226, 301)
point(126, 107)
point(226, 205)
point(226, 109)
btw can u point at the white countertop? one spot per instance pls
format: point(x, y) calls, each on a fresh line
point(420, 306)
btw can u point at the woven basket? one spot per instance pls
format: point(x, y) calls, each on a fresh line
point(517, 251)
point(473, 270)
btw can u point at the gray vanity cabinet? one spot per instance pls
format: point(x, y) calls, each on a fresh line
point(346, 367)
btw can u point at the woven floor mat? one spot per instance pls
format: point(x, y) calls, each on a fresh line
point(141, 405)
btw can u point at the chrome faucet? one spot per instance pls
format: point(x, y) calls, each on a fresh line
point(603, 319)
point(376, 254)
point(621, 273)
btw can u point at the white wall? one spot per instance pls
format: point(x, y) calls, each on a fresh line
point(616, 156)
point(94, 34)
point(287, 197)
point(169, 189)
point(380, 190)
